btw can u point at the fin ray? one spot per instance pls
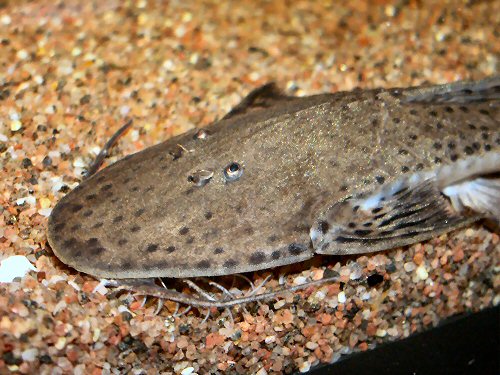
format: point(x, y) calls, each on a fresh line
point(399, 219)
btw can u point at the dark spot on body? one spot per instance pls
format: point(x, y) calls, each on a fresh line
point(404, 169)
point(439, 125)
point(296, 249)
point(437, 160)
point(183, 231)
point(134, 188)
point(355, 208)
point(249, 230)
point(101, 178)
point(76, 226)
point(230, 263)
point(90, 197)
point(272, 238)
point(472, 126)
point(362, 232)
point(88, 213)
point(452, 145)
point(377, 210)
point(97, 225)
point(464, 109)
point(126, 180)
point(324, 226)
point(344, 188)
point(204, 264)
point(433, 113)
point(454, 157)
point(437, 145)
point(190, 240)
point(276, 254)
point(76, 207)
point(149, 188)
point(95, 251)
point(170, 249)
point(106, 187)
point(351, 225)
point(122, 241)
point(468, 150)
point(380, 179)
point(139, 212)
point(152, 248)
point(70, 242)
point(59, 226)
point(257, 257)
point(413, 112)
point(92, 241)
point(448, 109)
point(126, 265)
point(419, 167)
point(413, 137)
point(208, 215)
point(375, 122)
point(117, 219)
point(484, 111)
point(476, 146)
point(396, 120)
point(218, 250)
point(487, 147)
point(485, 136)
point(135, 228)
point(403, 152)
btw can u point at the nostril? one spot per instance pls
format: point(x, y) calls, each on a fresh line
point(200, 178)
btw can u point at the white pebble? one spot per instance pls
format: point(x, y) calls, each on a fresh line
point(5, 19)
point(187, 371)
point(305, 367)
point(279, 304)
point(341, 297)
point(422, 273)
point(311, 345)
point(14, 266)
point(22, 54)
point(409, 266)
point(381, 332)
point(45, 211)
point(270, 339)
point(29, 355)
point(60, 343)
point(31, 200)
point(15, 125)
point(299, 280)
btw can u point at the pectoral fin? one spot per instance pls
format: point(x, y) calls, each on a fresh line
point(405, 212)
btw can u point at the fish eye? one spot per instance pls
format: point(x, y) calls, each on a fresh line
point(233, 171)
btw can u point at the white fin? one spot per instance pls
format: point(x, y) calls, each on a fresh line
point(482, 195)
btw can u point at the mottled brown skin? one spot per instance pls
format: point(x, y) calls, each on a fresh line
point(148, 215)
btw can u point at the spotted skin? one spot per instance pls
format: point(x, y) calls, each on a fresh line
point(244, 193)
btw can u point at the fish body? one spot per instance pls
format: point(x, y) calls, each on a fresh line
point(281, 178)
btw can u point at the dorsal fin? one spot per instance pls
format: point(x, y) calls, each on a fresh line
point(262, 97)
point(458, 92)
